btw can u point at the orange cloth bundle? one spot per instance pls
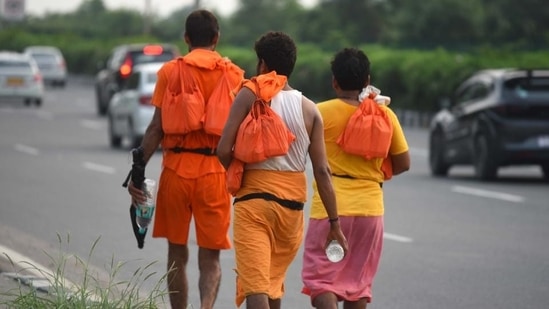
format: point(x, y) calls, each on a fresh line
point(263, 134)
point(368, 132)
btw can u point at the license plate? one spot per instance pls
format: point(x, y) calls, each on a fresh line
point(543, 141)
point(15, 82)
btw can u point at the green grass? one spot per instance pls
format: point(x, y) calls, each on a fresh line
point(90, 291)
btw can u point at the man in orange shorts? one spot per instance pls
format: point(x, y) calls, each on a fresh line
point(268, 210)
point(192, 182)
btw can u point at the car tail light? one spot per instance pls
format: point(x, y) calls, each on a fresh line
point(37, 78)
point(126, 68)
point(62, 64)
point(153, 50)
point(145, 100)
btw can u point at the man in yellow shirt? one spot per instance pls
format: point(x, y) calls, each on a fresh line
point(358, 187)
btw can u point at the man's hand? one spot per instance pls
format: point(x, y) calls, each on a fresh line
point(137, 194)
point(336, 234)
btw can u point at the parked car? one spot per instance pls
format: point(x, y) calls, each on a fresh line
point(20, 79)
point(115, 72)
point(496, 118)
point(130, 110)
point(51, 63)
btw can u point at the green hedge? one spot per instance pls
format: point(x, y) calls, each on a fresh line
point(415, 79)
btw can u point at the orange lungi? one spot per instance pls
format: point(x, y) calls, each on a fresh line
point(267, 236)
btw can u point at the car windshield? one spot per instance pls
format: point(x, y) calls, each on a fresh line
point(15, 65)
point(535, 87)
point(44, 58)
point(140, 57)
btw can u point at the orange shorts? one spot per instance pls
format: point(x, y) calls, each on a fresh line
point(205, 199)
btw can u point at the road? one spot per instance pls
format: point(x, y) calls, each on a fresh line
point(449, 243)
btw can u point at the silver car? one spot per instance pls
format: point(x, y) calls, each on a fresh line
point(130, 110)
point(20, 79)
point(51, 63)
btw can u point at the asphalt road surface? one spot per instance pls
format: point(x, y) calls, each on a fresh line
point(450, 243)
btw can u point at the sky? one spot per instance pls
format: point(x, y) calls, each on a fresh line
point(161, 7)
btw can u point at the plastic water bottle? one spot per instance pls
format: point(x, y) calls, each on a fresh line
point(144, 212)
point(335, 252)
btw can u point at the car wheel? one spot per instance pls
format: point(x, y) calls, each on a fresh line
point(545, 170)
point(115, 140)
point(485, 165)
point(38, 102)
point(436, 155)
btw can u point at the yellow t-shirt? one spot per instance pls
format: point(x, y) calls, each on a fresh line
point(361, 196)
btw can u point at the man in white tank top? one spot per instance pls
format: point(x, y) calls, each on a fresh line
point(268, 211)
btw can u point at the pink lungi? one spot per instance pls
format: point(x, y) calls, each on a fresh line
point(352, 278)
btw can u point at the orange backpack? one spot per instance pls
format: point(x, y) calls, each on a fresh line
point(185, 110)
point(262, 134)
point(368, 132)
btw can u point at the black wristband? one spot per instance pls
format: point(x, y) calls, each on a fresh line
point(332, 220)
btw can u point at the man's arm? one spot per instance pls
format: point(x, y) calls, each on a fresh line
point(151, 140)
point(239, 110)
point(322, 172)
point(401, 162)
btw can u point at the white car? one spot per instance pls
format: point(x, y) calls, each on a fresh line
point(51, 63)
point(20, 79)
point(130, 110)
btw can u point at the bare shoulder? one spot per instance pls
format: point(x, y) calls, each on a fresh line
point(309, 107)
point(311, 114)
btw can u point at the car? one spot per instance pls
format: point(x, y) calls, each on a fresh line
point(495, 118)
point(130, 110)
point(20, 79)
point(51, 63)
point(115, 72)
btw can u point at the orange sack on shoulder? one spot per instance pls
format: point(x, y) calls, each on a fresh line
point(263, 134)
point(219, 104)
point(184, 99)
point(368, 132)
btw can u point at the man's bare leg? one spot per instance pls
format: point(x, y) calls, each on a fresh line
point(274, 303)
point(325, 301)
point(361, 304)
point(210, 276)
point(257, 301)
point(178, 286)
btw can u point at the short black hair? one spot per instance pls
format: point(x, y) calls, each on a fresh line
point(278, 51)
point(201, 27)
point(351, 69)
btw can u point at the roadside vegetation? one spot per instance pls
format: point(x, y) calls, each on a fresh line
point(89, 291)
point(418, 52)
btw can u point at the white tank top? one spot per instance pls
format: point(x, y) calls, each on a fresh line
point(288, 105)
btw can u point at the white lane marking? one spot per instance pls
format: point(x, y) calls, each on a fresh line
point(395, 237)
point(420, 152)
point(26, 149)
point(99, 168)
point(91, 124)
point(44, 115)
point(489, 194)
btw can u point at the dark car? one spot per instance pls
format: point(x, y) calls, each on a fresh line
point(496, 118)
point(115, 72)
